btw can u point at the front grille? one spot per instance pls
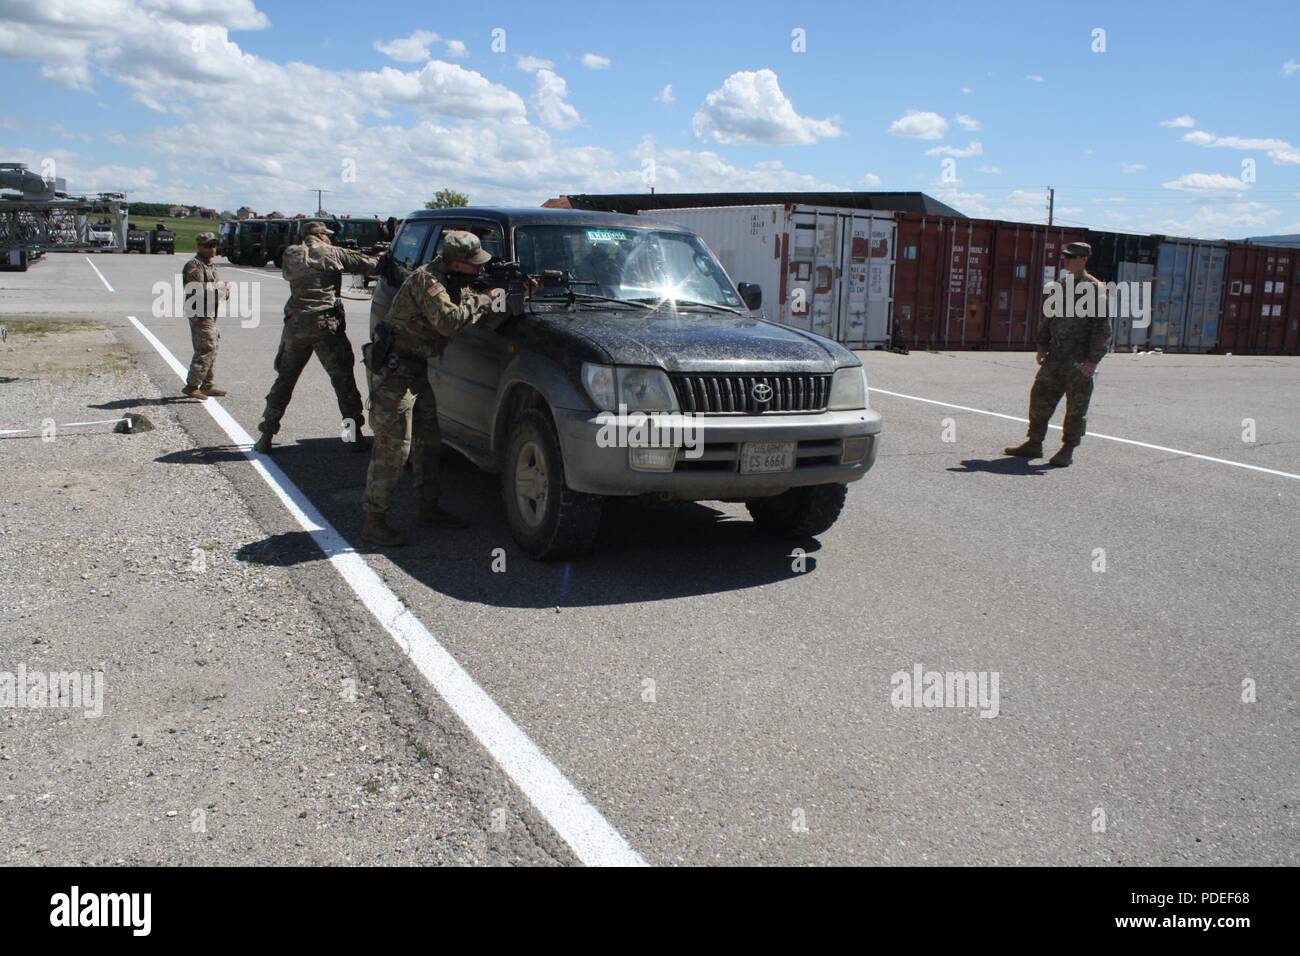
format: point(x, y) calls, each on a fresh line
point(734, 394)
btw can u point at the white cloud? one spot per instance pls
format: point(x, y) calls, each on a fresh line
point(1290, 67)
point(680, 170)
point(1179, 122)
point(233, 14)
point(1278, 150)
point(1207, 182)
point(974, 149)
point(1128, 169)
point(966, 89)
point(967, 122)
point(870, 179)
point(457, 128)
point(456, 48)
point(593, 61)
point(1218, 220)
point(1034, 77)
point(549, 98)
point(409, 49)
point(531, 64)
point(750, 107)
point(665, 95)
point(990, 170)
point(918, 124)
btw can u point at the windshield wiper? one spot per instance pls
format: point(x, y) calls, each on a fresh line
point(590, 297)
point(688, 302)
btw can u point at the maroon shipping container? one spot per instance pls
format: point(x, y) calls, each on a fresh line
point(1261, 308)
point(973, 283)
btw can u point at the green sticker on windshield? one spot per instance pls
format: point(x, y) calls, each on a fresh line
point(605, 235)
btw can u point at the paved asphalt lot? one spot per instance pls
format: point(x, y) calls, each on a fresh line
point(767, 734)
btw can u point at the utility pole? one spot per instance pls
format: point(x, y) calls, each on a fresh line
point(1051, 204)
point(320, 210)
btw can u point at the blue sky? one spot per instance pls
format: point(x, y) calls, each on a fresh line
point(237, 103)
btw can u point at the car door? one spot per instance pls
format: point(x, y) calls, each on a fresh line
point(466, 378)
point(403, 258)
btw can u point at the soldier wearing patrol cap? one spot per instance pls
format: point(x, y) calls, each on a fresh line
point(202, 290)
point(1073, 337)
point(314, 322)
point(434, 304)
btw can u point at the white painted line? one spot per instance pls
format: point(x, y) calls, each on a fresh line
point(101, 275)
point(581, 825)
point(1092, 434)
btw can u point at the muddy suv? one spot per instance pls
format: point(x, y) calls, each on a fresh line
point(639, 370)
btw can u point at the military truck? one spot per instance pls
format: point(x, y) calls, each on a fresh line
point(226, 238)
point(293, 235)
point(137, 239)
point(162, 240)
point(363, 235)
point(248, 245)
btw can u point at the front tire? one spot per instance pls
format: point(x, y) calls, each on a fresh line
point(547, 519)
point(800, 512)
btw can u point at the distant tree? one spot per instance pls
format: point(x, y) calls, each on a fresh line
point(447, 199)
point(227, 214)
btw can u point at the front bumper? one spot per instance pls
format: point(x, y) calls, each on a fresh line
point(715, 474)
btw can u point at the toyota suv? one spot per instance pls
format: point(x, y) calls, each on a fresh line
point(639, 369)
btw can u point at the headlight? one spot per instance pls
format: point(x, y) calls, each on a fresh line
point(635, 389)
point(645, 390)
point(849, 389)
point(599, 383)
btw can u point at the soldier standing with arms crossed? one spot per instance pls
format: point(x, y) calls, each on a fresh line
point(202, 289)
point(1070, 346)
point(314, 322)
point(433, 305)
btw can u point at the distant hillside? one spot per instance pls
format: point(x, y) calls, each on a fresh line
point(1292, 240)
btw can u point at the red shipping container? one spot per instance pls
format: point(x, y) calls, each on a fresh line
point(973, 283)
point(1261, 308)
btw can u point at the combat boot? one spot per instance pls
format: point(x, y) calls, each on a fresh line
point(1063, 458)
point(263, 444)
point(432, 516)
point(214, 390)
point(376, 531)
point(1027, 449)
point(193, 391)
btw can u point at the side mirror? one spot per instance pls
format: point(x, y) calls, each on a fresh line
point(751, 293)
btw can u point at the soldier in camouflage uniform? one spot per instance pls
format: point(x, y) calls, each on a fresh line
point(202, 291)
point(433, 305)
point(1073, 337)
point(314, 322)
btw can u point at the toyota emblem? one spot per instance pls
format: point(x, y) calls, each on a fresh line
point(762, 393)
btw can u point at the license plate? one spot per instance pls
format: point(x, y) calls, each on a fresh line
point(766, 457)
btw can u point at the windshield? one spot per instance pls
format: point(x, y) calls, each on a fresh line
point(624, 263)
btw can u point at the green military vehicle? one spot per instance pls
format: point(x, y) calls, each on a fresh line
point(161, 241)
point(247, 245)
point(137, 239)
point(226, 238)
point(360, 234)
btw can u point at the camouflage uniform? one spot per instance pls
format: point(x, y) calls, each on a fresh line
point(1069, 341)
point(423, 316)
point(314, 322)
point(202, 291)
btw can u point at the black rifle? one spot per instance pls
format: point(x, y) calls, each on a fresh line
point(509, 276)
